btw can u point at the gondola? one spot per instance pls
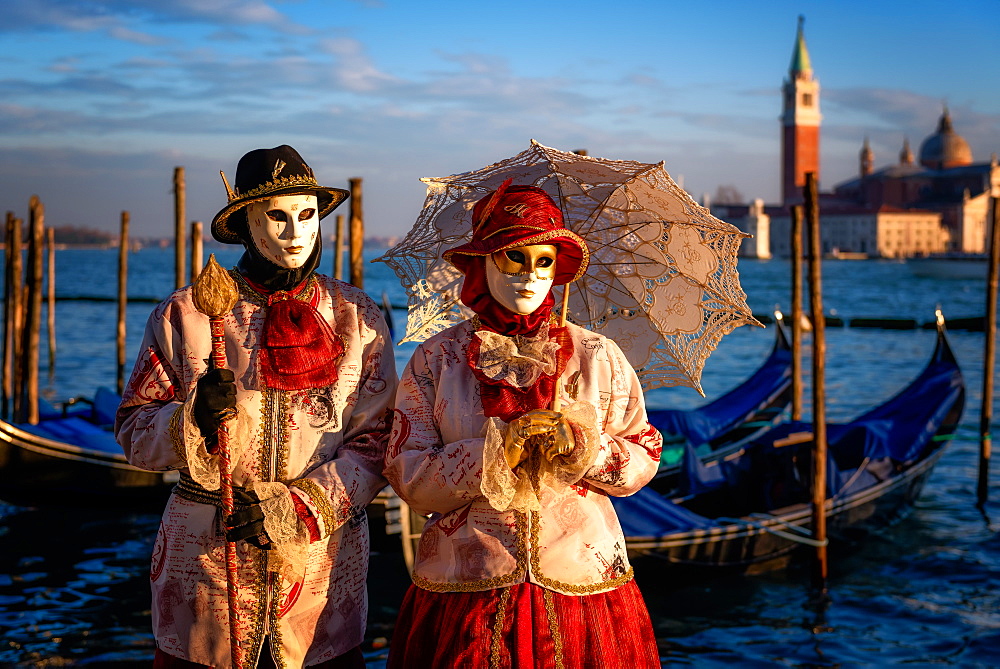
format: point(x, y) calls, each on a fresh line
point(720, 427)
point(753, 507)
point(71, 457)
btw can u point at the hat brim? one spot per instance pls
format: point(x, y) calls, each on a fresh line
point(328, 199)
point(572, 254)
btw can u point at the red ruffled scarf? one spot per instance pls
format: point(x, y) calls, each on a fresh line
point(506, 401)
point(500, 398)
point(299, 349)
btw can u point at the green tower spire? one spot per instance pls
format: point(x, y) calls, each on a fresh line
point(800, 55)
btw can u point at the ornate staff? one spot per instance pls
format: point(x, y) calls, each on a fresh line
point(214, 293)
point(562, 323)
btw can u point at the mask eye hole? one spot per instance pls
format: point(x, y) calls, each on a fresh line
point(306, 214)
point(515, 256)
point(545, 261)
point(277, 215)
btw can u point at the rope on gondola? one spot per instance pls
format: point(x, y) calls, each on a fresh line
point(801, 538)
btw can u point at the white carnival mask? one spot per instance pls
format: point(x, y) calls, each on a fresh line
point(520, 278)
point(284, 228)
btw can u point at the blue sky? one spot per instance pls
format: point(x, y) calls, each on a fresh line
point(99, 101)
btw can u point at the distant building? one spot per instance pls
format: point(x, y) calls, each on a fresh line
point(940, 204)
point(753, 219)
point(946, 182)
point(800, 119)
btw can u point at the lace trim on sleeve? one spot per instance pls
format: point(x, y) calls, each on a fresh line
point(504, 489)
point(203, 466)
point(288, 534)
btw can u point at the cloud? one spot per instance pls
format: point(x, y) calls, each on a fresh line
point(118, 18)
point(354, 71)
point(886, 116)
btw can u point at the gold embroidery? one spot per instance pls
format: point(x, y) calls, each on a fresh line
point(266, 436)
point(281, 461)
point(536, 563)
point(248, 292)
point(176, 436)
point(520, 226)
point(320, 499)
point(516, 209)
point(486, 583)
point(550, 613)
point(497, 638)
point(278, 184)
point(258, 585)
point(275, 628)
point(279, 165)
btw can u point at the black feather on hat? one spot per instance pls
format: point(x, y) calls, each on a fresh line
point(265, 173)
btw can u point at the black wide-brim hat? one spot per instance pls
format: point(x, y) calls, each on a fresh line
point(265, 173)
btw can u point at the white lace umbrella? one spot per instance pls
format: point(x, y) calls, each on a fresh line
point(662, 281)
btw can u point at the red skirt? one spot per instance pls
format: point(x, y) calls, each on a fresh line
point(524, 626)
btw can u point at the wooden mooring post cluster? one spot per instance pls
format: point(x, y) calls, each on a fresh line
point(24, 291)
point(23, 297)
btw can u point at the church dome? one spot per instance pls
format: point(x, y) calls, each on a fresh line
point(945, 148)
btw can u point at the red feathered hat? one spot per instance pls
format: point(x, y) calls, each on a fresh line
point(521, 216)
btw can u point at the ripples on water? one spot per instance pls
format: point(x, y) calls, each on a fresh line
point(74, 583)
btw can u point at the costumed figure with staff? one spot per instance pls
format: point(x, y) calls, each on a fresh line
point(510, 431)
point(303, 404)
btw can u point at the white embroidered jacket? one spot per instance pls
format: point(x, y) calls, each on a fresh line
point(324, 445)
point(550, 524)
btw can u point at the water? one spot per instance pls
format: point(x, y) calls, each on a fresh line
point(74, 583)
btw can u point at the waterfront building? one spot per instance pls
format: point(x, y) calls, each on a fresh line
point(946, 181)
point(910, 208)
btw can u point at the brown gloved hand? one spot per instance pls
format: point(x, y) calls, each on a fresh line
point(555, 436)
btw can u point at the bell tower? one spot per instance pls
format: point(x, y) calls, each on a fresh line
point(800, 120)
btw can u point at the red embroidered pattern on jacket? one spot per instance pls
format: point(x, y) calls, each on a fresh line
point(149, 381)
point(650, 439)
point(399, 436)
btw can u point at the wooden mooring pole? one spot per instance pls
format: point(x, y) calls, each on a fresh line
point(197, 248)
point(796, 315)
point(989, 360)
point(338, 249)
point(11, 316)
point(50, 299)
point(32, 313)
point(123, 243)
point(179, 218)
point(357, 234)
point(818, 382)
point(15, 289)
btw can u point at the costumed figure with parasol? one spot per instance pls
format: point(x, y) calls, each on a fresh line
point(511, 430)
point(274, 408)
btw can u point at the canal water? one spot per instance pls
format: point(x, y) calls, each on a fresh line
point(74, 582)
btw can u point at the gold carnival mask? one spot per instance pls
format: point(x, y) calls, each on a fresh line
point(521, 277)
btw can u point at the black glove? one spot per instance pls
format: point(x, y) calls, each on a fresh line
point(215, 401)
point(246, 522)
